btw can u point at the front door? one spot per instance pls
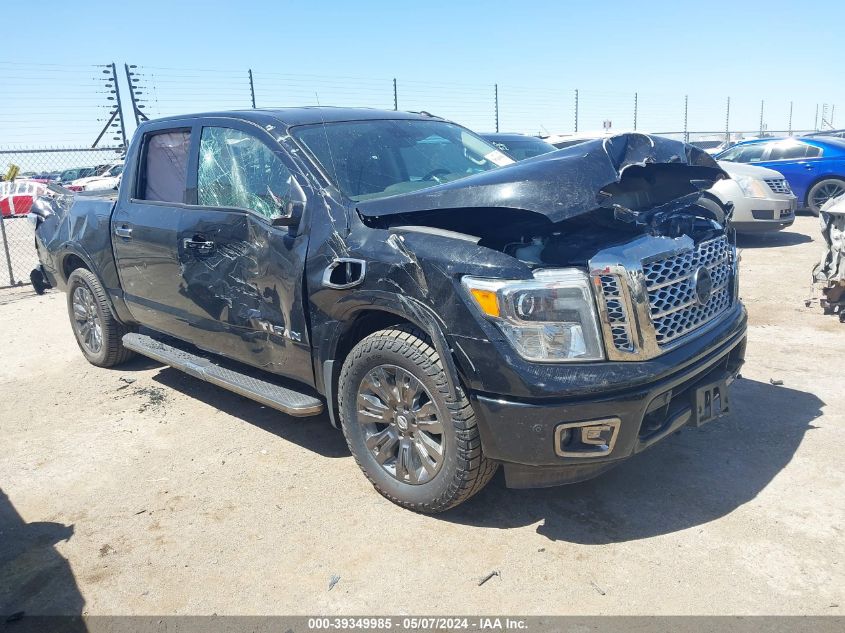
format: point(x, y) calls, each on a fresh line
point(240, 273)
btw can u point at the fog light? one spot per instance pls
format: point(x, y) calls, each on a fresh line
point(594, 438)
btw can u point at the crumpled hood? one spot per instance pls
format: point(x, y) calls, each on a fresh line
point(561, 184)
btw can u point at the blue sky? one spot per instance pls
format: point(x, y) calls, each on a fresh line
point(445, 55)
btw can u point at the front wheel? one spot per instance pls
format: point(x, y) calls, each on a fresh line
point(823, 191)
point(98, 334)
point(418, 447)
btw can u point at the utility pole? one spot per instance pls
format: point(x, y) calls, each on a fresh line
point(762, 104)
point(686, 111)
point(728, 121)
point(395, 95)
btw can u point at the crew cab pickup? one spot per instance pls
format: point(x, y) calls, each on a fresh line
point(450, 310)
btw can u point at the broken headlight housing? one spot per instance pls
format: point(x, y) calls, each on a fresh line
point(551, 318)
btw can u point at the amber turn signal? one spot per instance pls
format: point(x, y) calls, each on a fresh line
point(487, 300)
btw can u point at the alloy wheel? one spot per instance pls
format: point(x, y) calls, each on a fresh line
point(827, 192)
point(87, 324)
point(402, 426)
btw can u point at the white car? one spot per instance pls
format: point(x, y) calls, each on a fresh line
point(761, 197)
point(107, 178)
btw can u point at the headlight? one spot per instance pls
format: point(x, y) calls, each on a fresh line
point(752, 187)
point(550, 318)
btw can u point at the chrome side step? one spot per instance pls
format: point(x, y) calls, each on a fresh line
point(268, 393)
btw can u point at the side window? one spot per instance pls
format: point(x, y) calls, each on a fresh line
point(751, 153)
point(794, 151)
point(165, 168)
point(237, 170)
point(813, 152)
point(729, 154)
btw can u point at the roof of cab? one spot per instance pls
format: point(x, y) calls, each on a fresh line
point(290, 117)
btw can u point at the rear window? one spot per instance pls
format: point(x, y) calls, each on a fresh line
point(165, 166)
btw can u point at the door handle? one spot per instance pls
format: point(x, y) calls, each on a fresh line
point(123, 231)
point(198, 245)
point(806, 166)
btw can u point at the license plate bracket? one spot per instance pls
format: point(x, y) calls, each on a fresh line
point(712, 401)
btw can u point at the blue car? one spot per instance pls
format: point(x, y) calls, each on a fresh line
point(813, 166)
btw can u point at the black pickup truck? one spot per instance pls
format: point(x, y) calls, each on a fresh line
point(451, 310)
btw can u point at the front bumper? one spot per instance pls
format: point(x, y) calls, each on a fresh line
point(522, 434)
point(764, 215)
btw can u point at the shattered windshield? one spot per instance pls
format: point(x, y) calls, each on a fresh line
point(376, 159)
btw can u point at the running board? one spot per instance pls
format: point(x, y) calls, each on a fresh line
point(286, 400)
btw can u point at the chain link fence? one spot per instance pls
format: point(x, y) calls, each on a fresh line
point(37, 167)
point(95, 108)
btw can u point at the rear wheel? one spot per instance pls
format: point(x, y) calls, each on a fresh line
point(417, 446)
point(823, 191)
point(98, 334)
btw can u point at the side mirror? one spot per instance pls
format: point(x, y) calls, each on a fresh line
point(290, 208)
point(291, 215)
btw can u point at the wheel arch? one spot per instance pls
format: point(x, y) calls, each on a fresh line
point(817, 181)
point(74, 260)
point(368, 319)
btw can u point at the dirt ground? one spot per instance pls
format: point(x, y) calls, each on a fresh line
point(143, 491)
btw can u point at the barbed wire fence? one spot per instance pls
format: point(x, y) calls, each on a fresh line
point(58, 119)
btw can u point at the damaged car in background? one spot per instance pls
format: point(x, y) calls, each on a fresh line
point(829, 273)
point(451, 310)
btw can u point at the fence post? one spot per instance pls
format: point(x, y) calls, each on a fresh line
point(395, 95)
point(496, 101)
point(728, 121)
point(251, 89)
point(6, 250)
point(136, 109)
point(576, 109)
point(119, 103)
point(762, 103)
point(832, 110)
point(635, 111)
point(790, 119)
point(816, 120)
point(118, 111)
point(686, 111)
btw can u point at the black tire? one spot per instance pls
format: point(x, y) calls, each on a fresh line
point(463, 470)
point(820, 192)
point(110, 351)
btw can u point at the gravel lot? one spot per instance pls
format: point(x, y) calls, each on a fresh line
point(144, 491)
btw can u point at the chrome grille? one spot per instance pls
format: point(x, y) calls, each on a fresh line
point(778, 185)
point(616, 314)
point(670, 283)
point(646, 292)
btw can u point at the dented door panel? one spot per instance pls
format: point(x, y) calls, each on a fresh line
point(240, 277)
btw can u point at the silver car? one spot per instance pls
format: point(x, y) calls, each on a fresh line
point(761, 197)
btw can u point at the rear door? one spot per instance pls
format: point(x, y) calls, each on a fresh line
point(240, 272)
point(145, 226)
